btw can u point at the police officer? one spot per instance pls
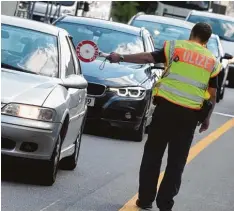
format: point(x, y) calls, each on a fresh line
point(189, 79)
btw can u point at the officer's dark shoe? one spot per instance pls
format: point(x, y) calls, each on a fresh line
point(165, 210)
point(144, 205)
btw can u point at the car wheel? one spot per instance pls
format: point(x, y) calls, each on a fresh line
point(222, 93)
point(218, 95)
point(139, 134)
point(70, 162)
point(50, 168)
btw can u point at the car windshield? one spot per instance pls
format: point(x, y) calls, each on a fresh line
point(162, 32)
point(212, 45)
point(29, 50)
point(224, 29)
point(107, 40)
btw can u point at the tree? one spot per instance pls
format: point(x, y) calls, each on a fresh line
point(123, 11)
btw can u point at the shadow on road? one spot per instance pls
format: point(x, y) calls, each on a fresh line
point(15, 170)
point(109, 132)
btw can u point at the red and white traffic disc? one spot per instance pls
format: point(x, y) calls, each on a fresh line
point(87, 51)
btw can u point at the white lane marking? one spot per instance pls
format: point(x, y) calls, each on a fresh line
point(50, 205)
point(223, 114)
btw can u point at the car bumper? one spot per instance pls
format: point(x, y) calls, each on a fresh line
point(18, 132)
point(118, 111)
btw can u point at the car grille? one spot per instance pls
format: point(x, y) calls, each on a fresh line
point(96, 89)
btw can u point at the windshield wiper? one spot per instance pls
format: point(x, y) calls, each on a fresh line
point(4, 65)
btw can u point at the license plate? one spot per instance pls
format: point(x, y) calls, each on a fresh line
point(90, 101)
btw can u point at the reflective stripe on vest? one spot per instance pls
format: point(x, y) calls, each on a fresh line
point(187, 80)
point(194, 98)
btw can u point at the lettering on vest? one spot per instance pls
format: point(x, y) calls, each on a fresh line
point(194, 58)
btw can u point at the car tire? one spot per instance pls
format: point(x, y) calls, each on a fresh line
point(218, 95)
point(50, 168)
point(70, 162)
point(222, 93)
point(138, 135)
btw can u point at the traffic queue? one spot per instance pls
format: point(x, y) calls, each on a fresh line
point(63, 83)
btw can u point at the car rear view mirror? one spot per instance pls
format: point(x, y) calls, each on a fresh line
point(75, 81)
point(4, 34)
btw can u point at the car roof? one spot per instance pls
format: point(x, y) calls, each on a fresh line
point(212, 15)
point(30, 24)
point(101, 23)
point(165, 20)
point(170, 21)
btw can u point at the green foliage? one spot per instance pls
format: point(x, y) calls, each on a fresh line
point(123, 11)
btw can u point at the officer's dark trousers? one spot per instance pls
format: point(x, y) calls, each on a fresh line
point(174, 126)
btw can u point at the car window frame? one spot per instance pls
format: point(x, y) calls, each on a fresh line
point(63, 60)
point(74, 55)
point(146, 42)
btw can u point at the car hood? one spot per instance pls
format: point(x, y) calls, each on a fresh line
point(228, 47)
point(26, 88)
point(115, 75)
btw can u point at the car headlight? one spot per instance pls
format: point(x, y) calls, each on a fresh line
point(135, 92)
point(29, 112)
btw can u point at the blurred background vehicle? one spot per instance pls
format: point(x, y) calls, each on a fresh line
point(50, 11)
point(120, 94)
point(43, 98)
point(165, 28)
point(180, 9)
point(223, 26)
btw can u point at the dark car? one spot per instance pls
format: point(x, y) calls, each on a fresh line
point(223, 26)
point(165, 28)
point(120, 94)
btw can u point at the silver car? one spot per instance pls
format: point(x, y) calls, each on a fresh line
point(43, 97)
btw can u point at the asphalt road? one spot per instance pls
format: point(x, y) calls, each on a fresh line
point(107, 175)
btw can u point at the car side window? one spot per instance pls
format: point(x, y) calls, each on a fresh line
point(67, 56)
point(76, 60)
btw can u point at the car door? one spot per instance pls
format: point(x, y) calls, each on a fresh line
point(75, 97)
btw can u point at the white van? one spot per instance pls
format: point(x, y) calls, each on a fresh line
point(42, 9)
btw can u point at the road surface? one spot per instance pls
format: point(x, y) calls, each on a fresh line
point(107, 176)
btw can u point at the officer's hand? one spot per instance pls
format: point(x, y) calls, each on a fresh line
point(204, 126)
point(114, 58)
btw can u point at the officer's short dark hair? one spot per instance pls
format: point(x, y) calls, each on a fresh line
point(202, 31)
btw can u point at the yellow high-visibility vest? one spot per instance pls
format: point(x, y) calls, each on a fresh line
point(190, 67)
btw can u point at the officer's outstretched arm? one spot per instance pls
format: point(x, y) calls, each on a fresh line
point(140, 58)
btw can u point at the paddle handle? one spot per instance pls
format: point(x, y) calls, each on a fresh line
point(102, 54)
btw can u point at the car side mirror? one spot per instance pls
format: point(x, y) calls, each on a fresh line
point(227, 56)
point(75, 81)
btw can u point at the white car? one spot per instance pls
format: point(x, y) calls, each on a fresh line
point(43, 98)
